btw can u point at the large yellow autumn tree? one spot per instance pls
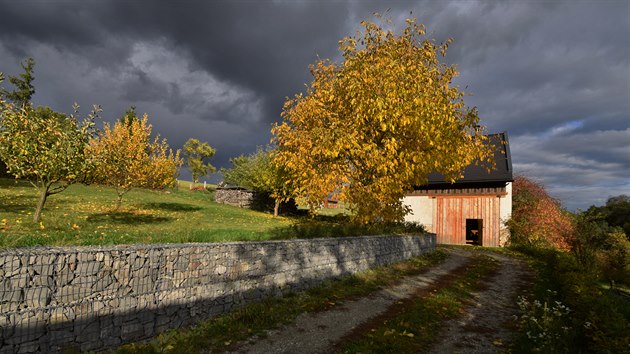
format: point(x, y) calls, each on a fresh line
point(375, 125)
point(125, 156)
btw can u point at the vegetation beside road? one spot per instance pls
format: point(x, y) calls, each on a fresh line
point(570, 310)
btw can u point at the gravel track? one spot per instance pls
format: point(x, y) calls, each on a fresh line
point(482, 329)
point(487, 325)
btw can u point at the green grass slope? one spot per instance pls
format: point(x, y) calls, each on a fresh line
point(86, 215)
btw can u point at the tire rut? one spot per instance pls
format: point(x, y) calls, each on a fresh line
point(318, 332)
point(487, 325)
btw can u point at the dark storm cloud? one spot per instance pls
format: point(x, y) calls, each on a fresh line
point(538, 64)
point(141, 87)
point(261, 46)
point(555, 74)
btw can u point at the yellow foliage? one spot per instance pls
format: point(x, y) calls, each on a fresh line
point(376, 125)
point(124, 156)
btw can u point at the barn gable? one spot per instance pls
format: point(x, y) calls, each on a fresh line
point(474, 209)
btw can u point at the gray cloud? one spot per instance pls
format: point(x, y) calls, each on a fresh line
point(555, 74)
point(574, 165)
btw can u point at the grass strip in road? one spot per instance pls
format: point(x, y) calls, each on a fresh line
point(412, 325)
point(219, 333)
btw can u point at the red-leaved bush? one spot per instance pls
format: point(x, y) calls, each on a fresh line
point(537, 218)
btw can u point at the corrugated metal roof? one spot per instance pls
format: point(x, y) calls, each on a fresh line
point(478, 173)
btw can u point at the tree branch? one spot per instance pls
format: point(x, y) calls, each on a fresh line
point(58, 189)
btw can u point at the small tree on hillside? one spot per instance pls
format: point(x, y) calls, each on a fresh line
point(196, 152)
point(260, 173)
point(125, 157)
point(20, 96)
point(537, 218)
point(24, 89)
point(377, 124)
point(45, 147)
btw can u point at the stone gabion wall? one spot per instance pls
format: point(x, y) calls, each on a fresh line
point(96, 298)
point(234, 196)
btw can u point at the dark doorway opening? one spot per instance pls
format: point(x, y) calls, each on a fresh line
point(474, 232)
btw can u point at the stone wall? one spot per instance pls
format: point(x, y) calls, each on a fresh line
point(234, 196)
point(95, 298)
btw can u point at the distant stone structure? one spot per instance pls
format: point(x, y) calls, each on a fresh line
point(236, 196)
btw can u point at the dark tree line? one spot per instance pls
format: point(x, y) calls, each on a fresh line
point(616, 212)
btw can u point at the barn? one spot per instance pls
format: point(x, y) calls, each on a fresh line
point(474, 209)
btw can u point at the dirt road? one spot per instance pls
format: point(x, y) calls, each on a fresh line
point(484, 328)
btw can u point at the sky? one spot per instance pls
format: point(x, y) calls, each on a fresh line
point(554, 74)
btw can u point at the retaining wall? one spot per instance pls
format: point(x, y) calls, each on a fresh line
point(96, 298)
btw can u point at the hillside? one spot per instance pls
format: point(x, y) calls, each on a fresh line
point(85, 215)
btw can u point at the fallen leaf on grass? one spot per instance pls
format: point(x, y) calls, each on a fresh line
point(404, 333)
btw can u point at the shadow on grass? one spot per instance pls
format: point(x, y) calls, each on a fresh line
point(17, 204)
point(171, 206)
point(126, 218)
point(10, 182)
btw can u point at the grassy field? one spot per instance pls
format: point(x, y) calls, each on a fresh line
point(85, 215)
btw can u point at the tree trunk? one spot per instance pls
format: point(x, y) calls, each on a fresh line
point(276, 208)
point(40, 202)
point(119, 200)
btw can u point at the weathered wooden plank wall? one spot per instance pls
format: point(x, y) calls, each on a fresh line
point(452, 212)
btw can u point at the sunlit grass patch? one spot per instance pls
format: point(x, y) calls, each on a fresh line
point(86, 215)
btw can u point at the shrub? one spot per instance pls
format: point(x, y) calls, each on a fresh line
point(545, 323)
point(598, 319)
point(601, 249)
point(537, 218)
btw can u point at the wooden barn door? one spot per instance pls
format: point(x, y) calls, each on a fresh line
point(452, 212)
